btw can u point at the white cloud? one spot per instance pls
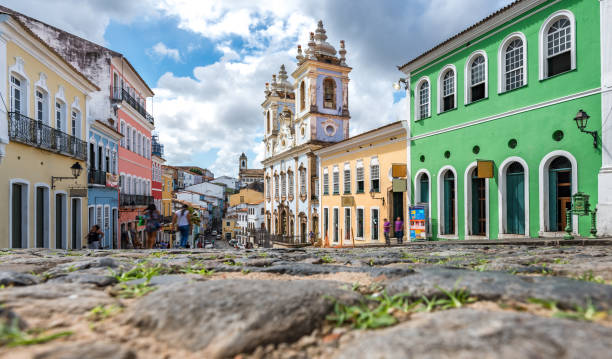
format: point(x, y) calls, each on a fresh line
point(161, 50)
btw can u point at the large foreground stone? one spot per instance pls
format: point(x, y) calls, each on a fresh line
point(499, 285)
point(468, 333)
point(15, 278)
point(91, 350)
point(227, 317)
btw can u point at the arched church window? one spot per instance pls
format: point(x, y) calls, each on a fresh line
point(302, 96)
point(329, 93)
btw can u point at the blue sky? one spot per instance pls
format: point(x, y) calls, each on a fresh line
point(208, 60)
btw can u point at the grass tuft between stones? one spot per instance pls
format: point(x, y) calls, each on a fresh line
point(12, 336)
point(381, 310)
point(587, 313)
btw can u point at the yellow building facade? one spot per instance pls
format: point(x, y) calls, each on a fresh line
point(228, 228)
point(42, 140)
point(363, 182)
point(246, 195)
point(167, 190)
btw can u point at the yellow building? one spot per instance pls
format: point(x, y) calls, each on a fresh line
point(42, 148)
point(363, 182)
point(229, 225)
point(245, 195)
point(167, 190)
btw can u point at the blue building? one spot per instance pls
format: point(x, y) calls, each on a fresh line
point(103, 181)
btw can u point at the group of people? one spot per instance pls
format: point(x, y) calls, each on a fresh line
point(399, 230)
point(181, 222)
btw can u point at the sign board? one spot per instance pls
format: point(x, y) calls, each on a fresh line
point(580, 204)
point(347, 201)
point(112, 180)
point(78, 192)
point(398, 170)
point(399, 185)
point(418, 223)
point(485, 169)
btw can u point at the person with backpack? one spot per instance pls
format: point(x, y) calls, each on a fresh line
point(152, 225)
point(182, 222)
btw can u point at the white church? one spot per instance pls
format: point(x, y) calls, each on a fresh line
point(302, 116)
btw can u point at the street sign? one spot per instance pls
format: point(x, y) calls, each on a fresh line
point(580, 204)
point(347, 201)
point(399, 185)
point(485, 168)
point(398, 170)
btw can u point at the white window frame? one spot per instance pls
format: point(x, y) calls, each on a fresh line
point(359, 168)
point(417, 99)
point(346, 179)
point(45, 105)
point(467, 208)
point(372, 209)
point(47, 219)
point(374, 162)
point(501, 61)
point(336, 181)
point(62, 112)
point(346, 231)
point(467, 83)
point(25, 212)
point(501, 198)
point(363, 219)
point(325, 181)
point(441, 75)
point(543, 41)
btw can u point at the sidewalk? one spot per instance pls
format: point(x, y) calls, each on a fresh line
point(495, 242)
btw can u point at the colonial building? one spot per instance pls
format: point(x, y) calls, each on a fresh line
point(494, 147)
point(300, 118)
point(157, 162)
point(103, 180)
point(43, 148)
point(363, 182)
point(120, 102)
point(247, 175)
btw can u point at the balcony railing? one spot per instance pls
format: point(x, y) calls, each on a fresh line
point(96, 177)
point(34, 133)
point(122, 94)
point(135, 200)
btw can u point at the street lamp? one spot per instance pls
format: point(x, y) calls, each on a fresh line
point(582, 118)
point(398, 85)
point(76, 172)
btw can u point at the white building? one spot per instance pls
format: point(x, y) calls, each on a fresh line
point(228, 181)
point(301, 118)
point(249, 218)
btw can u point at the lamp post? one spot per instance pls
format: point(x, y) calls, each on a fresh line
point(398, 85)
point(76, 172)
point(582, 118)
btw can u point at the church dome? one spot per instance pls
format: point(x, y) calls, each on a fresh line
point(323, 47)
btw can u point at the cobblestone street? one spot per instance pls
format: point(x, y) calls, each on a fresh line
point(425, 300)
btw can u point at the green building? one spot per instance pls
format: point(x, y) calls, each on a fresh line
point(506, 90)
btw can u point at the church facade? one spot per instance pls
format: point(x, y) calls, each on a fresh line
point(302, 116)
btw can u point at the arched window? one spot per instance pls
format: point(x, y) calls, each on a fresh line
point(513, 63)
point(447, 89)
point(557, 44)
point(422, 99)
point(476, 79)
point(329, 93)
point(302, 96)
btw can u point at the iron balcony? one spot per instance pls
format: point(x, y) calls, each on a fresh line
point(35, 133)
point(121, 94)
point(96, 177)
point(126, 200)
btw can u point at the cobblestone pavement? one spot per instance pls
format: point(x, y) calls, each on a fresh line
point(429, 300)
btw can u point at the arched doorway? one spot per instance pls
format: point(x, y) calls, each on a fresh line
point(448, 199)
point(423, 188)
point(476, 203)
point(283, 223)
point(559, 193)
point(515, 199)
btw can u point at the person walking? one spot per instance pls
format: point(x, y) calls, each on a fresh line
point(127, 237)
point(94, 237)
point(387, 230)
point(311, 236)
point(152, 225)
point(182, 221)
point(399, 230)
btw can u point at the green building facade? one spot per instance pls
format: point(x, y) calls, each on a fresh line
point(506, 90)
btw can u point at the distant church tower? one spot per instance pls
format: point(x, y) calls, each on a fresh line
point(243, 162)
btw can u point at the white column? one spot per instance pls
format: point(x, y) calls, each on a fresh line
point(604, 206)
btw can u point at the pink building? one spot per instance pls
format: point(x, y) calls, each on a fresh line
point(129, 93)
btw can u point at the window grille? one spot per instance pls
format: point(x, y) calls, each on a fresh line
point(514, 65)
point(424, 100)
